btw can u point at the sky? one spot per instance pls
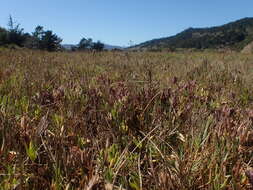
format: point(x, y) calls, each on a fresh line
point(121, 22)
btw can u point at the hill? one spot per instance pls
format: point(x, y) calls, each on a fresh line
point(248, 48)
point(111, 47)
point(235, 35)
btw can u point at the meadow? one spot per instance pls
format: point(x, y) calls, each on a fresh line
point(126, 120)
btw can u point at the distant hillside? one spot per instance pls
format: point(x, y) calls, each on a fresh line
point(68, 46)
point(107, 47)
point(110, 47)
point(235, 35)
point(248, 48)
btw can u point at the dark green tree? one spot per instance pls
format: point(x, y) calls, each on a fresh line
point(15, 33)
point(50, 41)
point(98, 46)
point(44, 40)
point(38, 32)
point(3, 36)
point(35, 41)
point(85, 44)
point(31, 42)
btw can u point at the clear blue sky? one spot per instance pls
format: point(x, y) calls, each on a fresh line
point(117, 22)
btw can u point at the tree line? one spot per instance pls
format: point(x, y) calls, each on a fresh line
point(40, 39)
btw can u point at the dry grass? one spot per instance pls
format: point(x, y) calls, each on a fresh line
point(117, 120)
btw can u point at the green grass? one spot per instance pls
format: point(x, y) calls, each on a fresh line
point(121, 120)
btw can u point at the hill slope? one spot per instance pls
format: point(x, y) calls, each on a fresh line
point(235, 35)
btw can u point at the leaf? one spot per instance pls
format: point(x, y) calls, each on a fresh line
point(31, 151)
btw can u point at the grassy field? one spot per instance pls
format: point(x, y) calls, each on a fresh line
point(121, 120)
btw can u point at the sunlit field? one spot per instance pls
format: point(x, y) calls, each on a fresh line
point(125, 120)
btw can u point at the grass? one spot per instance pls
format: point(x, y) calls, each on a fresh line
point(121, 120)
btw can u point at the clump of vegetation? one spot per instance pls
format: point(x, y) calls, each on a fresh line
point(14, 36)
point(119, 120)
point(88, 44)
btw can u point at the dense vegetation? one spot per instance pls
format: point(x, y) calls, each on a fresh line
point(40, 39)
point(87, 44)
point(234, 35)
point(116, 120)
point(15, 36)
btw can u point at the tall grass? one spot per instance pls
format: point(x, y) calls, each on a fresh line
point(117, 120)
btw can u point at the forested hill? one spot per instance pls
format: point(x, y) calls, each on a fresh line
point(234, 35)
